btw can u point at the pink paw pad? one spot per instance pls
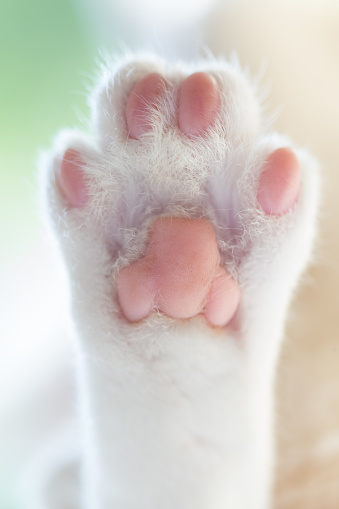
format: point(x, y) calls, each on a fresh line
point(198, 104)
point(223, 299)
point(71, 179)
point(179, 275)
point(144, 95)
point(279, 182)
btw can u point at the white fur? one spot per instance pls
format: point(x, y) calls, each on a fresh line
point(175, 413)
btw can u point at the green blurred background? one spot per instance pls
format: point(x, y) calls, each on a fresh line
point(45, 58)
point(46, 61)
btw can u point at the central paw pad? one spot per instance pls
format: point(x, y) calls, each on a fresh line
point(180, 275)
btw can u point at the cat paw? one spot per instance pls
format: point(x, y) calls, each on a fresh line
point(184, 225)
point(181, 200)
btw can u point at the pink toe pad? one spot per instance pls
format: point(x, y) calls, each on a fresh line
point(144, 94)
point(198, 104)
point(136, 290)
point(71, 178)
point(223, 299)
point(279, 182)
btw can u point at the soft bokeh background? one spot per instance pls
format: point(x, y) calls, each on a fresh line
point(47, 55)
point(43, 52)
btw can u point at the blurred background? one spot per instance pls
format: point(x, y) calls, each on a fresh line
point(48, 52)
point(45, 58)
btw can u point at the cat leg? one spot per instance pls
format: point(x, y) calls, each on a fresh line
point(184, 226)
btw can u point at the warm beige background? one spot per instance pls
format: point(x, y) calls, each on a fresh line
point(298, 43)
